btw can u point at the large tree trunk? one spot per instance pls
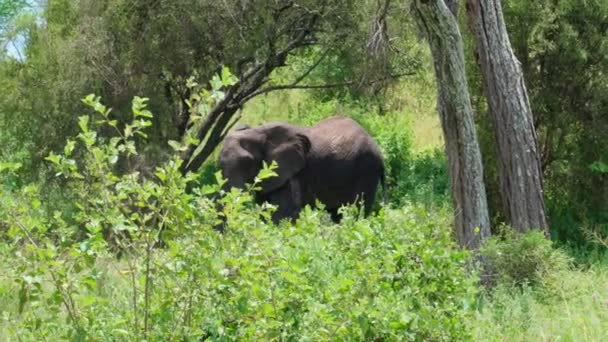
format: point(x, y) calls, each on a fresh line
point(519, 163)
point(439, 25)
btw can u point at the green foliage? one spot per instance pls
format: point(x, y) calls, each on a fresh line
point(423, 179)
point(521, 259)
point(8, 10)
point(120, 49)
point(412, 177)
point(394, 275)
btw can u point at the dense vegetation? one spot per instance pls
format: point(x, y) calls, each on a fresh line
point(103, 238)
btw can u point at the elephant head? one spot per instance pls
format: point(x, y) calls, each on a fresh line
point(245, 150)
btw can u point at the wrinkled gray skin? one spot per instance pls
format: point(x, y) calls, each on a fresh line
point(335, 161)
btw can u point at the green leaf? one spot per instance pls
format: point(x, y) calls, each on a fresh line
point(113, 159)
point(216, 83)
point(267, 171)
point(228, 78)
point(219, 178)
point(218, 95)
point(192, 140)
point(203, 108)
point(10, 166)
point(90, 100)
point(141, 134)
point(190, 83)
point(128, 131)
point(69, 147)
point(53, 158)
point(599, 167)
point(145, 114)
point(88, 138)
point(83, 122)
point(208, 189)
point(100, 108)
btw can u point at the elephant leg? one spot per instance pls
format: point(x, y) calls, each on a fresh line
point(368, 190)
point(368, 202)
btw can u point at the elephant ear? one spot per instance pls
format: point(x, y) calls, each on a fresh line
point(290, 155)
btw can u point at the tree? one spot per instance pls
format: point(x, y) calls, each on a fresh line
point(440, 27)
point(118, 49)
point(10, 10)
point(520, 174)
point(322, 24)
point(563, 47)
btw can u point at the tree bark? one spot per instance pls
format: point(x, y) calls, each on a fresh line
point(439, 25)
point(519, 162)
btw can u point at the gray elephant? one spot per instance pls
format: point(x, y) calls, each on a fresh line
point(335, 162)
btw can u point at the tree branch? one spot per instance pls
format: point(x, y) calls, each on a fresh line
point(319, 86)
point(219, 117)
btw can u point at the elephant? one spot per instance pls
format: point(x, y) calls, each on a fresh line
point(335, 162)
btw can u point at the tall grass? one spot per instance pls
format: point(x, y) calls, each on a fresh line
point(574, 307)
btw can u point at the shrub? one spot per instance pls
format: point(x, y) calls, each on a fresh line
point(397, 275)
point(423, 179)
point(513, 259)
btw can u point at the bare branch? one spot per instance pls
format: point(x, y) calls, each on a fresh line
point(320, 86)
point(379, 42)
point(297, 80)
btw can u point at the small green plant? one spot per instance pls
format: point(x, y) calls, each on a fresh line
point(512, 259)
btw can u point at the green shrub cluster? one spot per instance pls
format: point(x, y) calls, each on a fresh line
point(515, 260)
point(396, 275)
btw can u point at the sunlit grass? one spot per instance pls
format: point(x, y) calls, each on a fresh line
point(412, 102)
point(415, 98)
point(572, 307)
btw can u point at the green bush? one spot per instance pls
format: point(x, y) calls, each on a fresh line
point(423, 180)
point(513, 259)
point(396, 275)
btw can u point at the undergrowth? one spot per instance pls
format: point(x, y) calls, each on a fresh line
point(139, 259)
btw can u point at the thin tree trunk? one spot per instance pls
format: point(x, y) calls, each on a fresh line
point(519, 163)
point(439, 25)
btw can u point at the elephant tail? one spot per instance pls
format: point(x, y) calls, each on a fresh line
point(384, 189)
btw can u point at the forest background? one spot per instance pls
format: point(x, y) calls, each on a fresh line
point(63, 177)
